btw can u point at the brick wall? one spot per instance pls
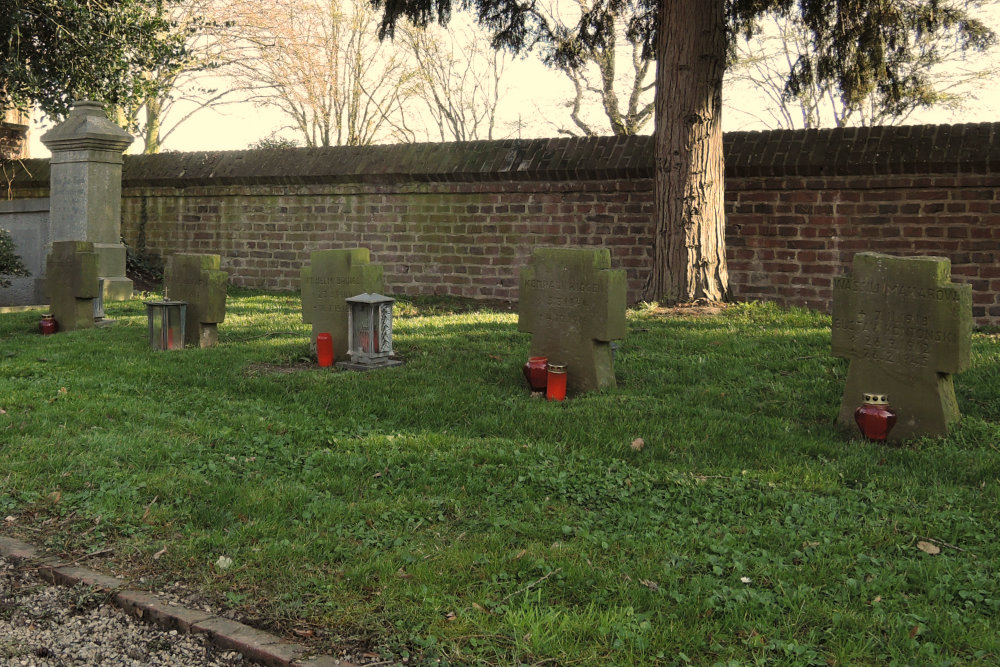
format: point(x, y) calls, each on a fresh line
point(800, 204)
point(462, 218)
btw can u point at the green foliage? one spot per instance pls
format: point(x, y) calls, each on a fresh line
point(53, 52)
point(437, 512)
point(10, 262)
point(273, 141)
point(857, 48)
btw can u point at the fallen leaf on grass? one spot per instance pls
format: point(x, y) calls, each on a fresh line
point(2, 411)
point(638, 444)
point(403, 574)
point(651, 585)
point(224, 563)
point(929, 548)
point(303, 633)
point(159, 553)
point(11, 519)
point(450, 616)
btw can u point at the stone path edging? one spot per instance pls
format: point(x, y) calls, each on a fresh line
point(253, 644)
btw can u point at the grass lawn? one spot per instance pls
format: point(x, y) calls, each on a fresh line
point(437, 511)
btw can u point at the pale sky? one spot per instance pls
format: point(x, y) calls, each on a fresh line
point(533, 94)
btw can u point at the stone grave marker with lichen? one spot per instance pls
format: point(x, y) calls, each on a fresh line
point(573, 304)
point(198, 280)
point(71, 283)
point(331, 277)
point(906, 330)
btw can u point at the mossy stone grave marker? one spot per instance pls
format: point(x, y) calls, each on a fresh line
point(906, 330)
point(573, 304)
point(198, 280)
point(331, 277)
point(71, 283)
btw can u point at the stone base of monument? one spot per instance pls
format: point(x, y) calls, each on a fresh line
point(105, 322)
point(117, 288)
point(924, 405)
point(355, 366)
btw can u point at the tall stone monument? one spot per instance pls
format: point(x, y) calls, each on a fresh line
point(906, 330)
point(331, 277)
point(71, 284)
point(573, 304)
point(86, 189)
point(197, 279)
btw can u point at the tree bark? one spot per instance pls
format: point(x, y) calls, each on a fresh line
point(689, 244)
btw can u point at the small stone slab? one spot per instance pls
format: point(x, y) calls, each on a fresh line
point(573, 304)
point(332, 277)
point(71, 284)
point(197, 279)
point(906, 329)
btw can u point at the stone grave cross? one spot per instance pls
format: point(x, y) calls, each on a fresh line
point(573, 304)
point(331, 277)
point(197, 279)
point(71, 283)
point(906, 329)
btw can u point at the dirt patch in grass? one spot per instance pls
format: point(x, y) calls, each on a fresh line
point(694, 309)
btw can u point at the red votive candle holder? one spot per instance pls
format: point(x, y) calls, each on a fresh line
point(555, 387)
point(874, 417)
point(324, 349)
point(48, 325)
point(535, 372)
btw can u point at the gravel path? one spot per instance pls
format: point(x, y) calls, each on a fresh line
point(43, 625)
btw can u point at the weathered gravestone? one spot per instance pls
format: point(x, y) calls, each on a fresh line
point(86, 189)
point(573, 304)
point(906, 329)
point(197, 279)
point(71, 283)
point(331, 277)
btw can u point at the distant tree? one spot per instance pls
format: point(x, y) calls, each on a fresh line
point(936, 74)
point(459, 80)
point(612, 75)
point(856, 46)
point(320, 63)
point(53, 52)
point(273, 141)
point(10, 263)
point(183, 87)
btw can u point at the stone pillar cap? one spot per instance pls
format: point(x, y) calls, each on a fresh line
point(87, 127)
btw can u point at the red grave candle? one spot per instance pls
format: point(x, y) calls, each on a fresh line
point(555, 389)
point(324, 349)
point(47, 325)
point(874, 417)
point(535, 372)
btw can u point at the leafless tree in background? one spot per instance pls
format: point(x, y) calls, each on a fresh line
point(460, 82)
point(613, 76)
point(189, 87)
point(321, 64)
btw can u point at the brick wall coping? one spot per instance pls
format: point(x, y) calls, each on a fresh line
point(913, 149)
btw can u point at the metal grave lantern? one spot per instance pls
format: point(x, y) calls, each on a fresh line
point(369, 331)
point(166, 324)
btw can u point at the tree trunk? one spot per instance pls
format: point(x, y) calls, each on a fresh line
point(689, 243)
point(152, 130)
